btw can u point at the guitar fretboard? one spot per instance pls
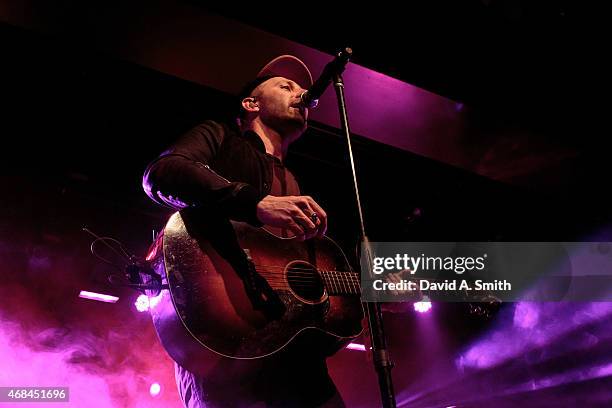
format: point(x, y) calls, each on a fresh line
point(341, 282)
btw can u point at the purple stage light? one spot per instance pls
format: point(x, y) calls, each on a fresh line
point(534, 325)
point(155, 389)
point(142, 303)
point(355, 346)
point(422, 307)
point(98, 296)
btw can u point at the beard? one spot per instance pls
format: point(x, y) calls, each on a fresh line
point(287, 124)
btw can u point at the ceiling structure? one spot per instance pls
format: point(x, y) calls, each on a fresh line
point(503, 88)
point(487, 53)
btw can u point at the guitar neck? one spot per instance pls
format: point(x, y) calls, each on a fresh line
point(341, 282)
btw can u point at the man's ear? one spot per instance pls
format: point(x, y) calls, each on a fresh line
point(250, 105)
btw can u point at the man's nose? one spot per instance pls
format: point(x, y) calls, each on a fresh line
point(299, 93)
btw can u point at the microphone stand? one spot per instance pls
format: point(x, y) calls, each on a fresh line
point(382, 362)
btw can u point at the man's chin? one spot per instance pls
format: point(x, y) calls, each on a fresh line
point(291, 125)
point(297, 123)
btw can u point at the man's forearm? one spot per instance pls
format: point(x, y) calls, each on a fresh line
point(179, 182)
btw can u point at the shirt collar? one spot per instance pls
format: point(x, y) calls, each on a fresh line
point(254, 139)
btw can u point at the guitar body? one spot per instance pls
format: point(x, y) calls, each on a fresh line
point(206, 311)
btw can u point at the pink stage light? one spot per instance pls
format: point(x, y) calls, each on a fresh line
point(142, 303)
point(355, 346)
point(155, 389)
point(98, 296)
point(422, 307)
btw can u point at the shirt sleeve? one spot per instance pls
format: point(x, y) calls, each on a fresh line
point(181, 177)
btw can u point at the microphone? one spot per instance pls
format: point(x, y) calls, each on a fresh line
point(310, 98)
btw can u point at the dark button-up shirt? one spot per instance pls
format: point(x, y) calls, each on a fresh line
point(216, 167)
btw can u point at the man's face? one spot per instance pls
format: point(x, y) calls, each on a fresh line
point(279, 106)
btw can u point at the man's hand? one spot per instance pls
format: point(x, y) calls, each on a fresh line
point(397, 277)
point(294, 213)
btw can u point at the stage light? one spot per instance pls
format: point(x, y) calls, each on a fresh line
point(155, 389)
point(355, 346)
point(98, 296)
point(142, 303)
point(422, 307)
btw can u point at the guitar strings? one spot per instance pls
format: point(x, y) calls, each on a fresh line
point(312, 275)
point(309, 277)
point(311, 282)
point(305, 269)
point(335, 289)
point(300, 268)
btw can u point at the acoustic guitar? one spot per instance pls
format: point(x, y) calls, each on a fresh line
point(241, 292)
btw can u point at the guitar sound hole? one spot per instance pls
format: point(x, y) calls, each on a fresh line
point(305, 281)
